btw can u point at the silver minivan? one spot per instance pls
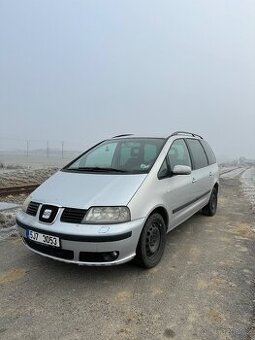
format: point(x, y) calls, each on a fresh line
point(117, 201)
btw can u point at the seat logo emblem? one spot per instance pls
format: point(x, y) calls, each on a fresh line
point(46, 214)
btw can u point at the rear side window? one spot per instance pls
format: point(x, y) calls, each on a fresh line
point(210, 155)
point(197, 154)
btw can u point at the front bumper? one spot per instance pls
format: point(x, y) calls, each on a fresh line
point(84, 244)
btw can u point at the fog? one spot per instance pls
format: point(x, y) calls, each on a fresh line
point(80, 71)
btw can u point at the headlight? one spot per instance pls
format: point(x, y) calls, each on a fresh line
point(26, 203)
point(102, 215)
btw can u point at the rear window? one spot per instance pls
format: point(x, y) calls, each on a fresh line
point(198, 155)
point(210, 155)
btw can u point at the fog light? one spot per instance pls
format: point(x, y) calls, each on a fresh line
point(111, 256)
point(98, 257)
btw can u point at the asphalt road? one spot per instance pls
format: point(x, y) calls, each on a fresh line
point(202, 289)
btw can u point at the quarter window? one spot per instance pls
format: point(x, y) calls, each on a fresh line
point(210, 155)
point(197, 153)
point(164, 170)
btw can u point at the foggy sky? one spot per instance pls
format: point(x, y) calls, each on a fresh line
point(81, 71)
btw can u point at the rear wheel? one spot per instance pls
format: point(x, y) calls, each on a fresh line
point(152, 242)
point(211, 208)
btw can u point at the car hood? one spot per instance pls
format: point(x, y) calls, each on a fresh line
point(83, 190)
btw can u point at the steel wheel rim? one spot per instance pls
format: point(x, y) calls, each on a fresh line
point(153, 239)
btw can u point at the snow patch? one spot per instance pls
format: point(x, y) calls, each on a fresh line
point(7, 206)
point(248, 185)
point(8, 232)
point(231, 174)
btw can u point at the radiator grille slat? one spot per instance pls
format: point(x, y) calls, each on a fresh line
point(72, 215)
point(32, 208)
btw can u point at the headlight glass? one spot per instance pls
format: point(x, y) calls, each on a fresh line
point(99, 215)
point(26, 203)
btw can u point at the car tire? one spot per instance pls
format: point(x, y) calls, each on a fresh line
point(211, 208)
point(152, 242)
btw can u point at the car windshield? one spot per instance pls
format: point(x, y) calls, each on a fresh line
point(119, 156)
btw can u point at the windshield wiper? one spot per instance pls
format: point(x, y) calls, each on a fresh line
point(96, 168)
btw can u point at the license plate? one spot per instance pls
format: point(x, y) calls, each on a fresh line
point(43, 238)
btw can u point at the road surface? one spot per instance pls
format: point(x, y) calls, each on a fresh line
point(202, 289)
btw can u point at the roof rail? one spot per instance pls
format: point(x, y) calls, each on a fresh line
point(185, 133)
point(123, 135)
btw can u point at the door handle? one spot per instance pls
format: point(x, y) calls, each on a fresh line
point(210, 174)
point(194, 180)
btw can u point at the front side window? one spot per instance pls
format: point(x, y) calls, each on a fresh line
point(178, 154)
point(198, 155)
point(131, 155)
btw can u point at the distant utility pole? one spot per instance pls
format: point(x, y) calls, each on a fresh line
point(62, 149)
point(27, 153)
point(47, 149)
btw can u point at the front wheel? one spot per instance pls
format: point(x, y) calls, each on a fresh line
point(152, 242)
point(211, 208)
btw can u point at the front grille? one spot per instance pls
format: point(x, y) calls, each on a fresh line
point(71, 215)
point(57, 252)
point(98, 257)
point(32, 208)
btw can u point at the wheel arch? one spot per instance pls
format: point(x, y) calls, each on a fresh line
point(141, 259)
point(216, 186)
point(163, 212)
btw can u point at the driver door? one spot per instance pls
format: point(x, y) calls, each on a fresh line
point(179, 191)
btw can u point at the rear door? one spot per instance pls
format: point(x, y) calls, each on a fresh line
point(213, 171)
point(200, 172)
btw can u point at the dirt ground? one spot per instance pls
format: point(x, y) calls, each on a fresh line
point(202, 289)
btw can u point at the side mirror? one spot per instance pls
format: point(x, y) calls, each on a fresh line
point(181, 170)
